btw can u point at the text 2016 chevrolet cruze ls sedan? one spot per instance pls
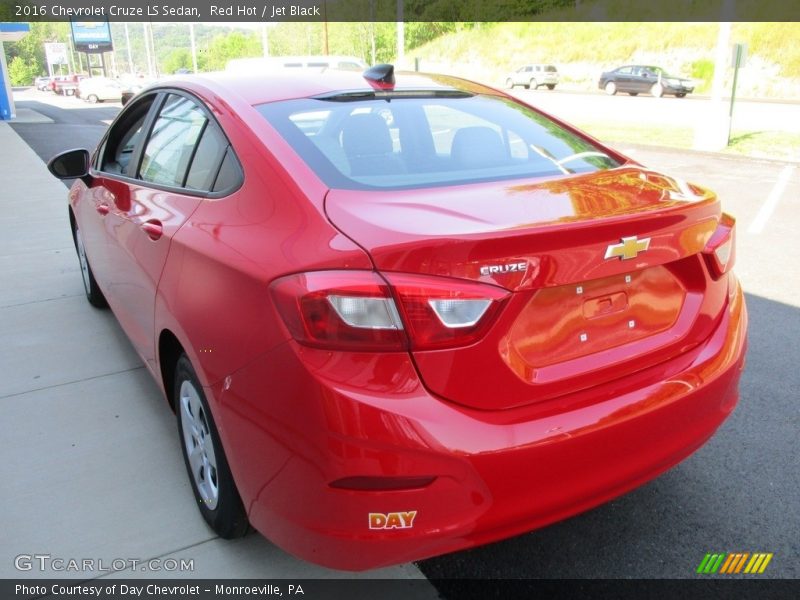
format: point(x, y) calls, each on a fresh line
point(401, 318)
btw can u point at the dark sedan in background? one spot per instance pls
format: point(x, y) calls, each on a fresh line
point(635, 79)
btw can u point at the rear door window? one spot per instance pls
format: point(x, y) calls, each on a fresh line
point(207, 158)
point(229, 175)
point(171, 145)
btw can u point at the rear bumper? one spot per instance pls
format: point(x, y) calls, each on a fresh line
point(297, 419)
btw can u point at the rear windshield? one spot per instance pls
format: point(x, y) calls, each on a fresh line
point(409, 142)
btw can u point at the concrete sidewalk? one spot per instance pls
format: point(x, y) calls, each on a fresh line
point(92, 466)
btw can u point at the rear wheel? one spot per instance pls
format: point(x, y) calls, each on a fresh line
point(510, 83)
point(657, 90)
point(93, 293)
point(92, 98)
point(212, 483)
point(681, 95)
point(551, 86)
point(610, 88)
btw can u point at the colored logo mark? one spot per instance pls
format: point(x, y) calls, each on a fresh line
point(734, 562)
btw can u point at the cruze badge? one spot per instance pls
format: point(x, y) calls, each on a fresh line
point(507, 268)
point(629, 247)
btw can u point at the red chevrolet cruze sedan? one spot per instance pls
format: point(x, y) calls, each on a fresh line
point(397, 318)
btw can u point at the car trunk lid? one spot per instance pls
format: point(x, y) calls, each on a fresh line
point(604, 268)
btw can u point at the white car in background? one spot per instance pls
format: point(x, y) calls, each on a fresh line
point(98, 89)
point(533, 76)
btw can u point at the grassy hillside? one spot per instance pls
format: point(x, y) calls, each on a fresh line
point(582, 50)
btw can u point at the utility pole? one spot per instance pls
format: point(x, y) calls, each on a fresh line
point(401, 33)
point(153, 47)
point(265, 40)
point(70, 59)
point(325, 50)
point(147, 50)
point(194, 48)
point(712, 130)
point(128, 44)
point(720, 62)
point(372, 31)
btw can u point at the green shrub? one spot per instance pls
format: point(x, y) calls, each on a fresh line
point(21, 72)
point(703, 73)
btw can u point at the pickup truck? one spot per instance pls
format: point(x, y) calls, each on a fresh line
point(66, 85)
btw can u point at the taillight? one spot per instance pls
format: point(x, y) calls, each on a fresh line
point(358, 310)
point(340, 310)
point(720, 251)
point(441, 312)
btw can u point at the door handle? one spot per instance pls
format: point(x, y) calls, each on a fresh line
point(102, 208)
point(153, 228)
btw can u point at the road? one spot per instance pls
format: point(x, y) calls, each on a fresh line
point(737, 493)
point(76, 123)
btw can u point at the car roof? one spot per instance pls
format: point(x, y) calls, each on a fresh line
point(273, 86)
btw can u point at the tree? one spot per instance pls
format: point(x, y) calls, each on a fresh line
point(225, 47)
point(21, 72)
point(179, 58)
point(30, 49)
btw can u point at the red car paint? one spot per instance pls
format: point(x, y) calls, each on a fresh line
point(588, 377)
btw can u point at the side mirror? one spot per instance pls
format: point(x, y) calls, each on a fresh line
point(72, 164)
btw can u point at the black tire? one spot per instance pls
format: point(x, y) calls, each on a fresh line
point(93, 293)
point(633, 93)
point(610, 88)
point(681, 95)
point(92, 98)
point(510, 83)
point(532, 84)
point(551, 86)
point(69, 92)
point(213, 486)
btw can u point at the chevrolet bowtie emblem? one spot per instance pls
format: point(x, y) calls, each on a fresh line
point(628, 248)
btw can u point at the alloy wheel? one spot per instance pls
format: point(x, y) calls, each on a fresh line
point(199, 445)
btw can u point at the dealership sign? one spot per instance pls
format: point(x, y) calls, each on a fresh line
point(56, 53)
point(91, 36)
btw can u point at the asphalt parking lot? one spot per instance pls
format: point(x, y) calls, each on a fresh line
point(92, 463)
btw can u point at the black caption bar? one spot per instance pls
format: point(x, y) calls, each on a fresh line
point(399, 589)
point(397, 10)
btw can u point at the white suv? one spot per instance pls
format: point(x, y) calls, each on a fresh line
point(532, 76)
